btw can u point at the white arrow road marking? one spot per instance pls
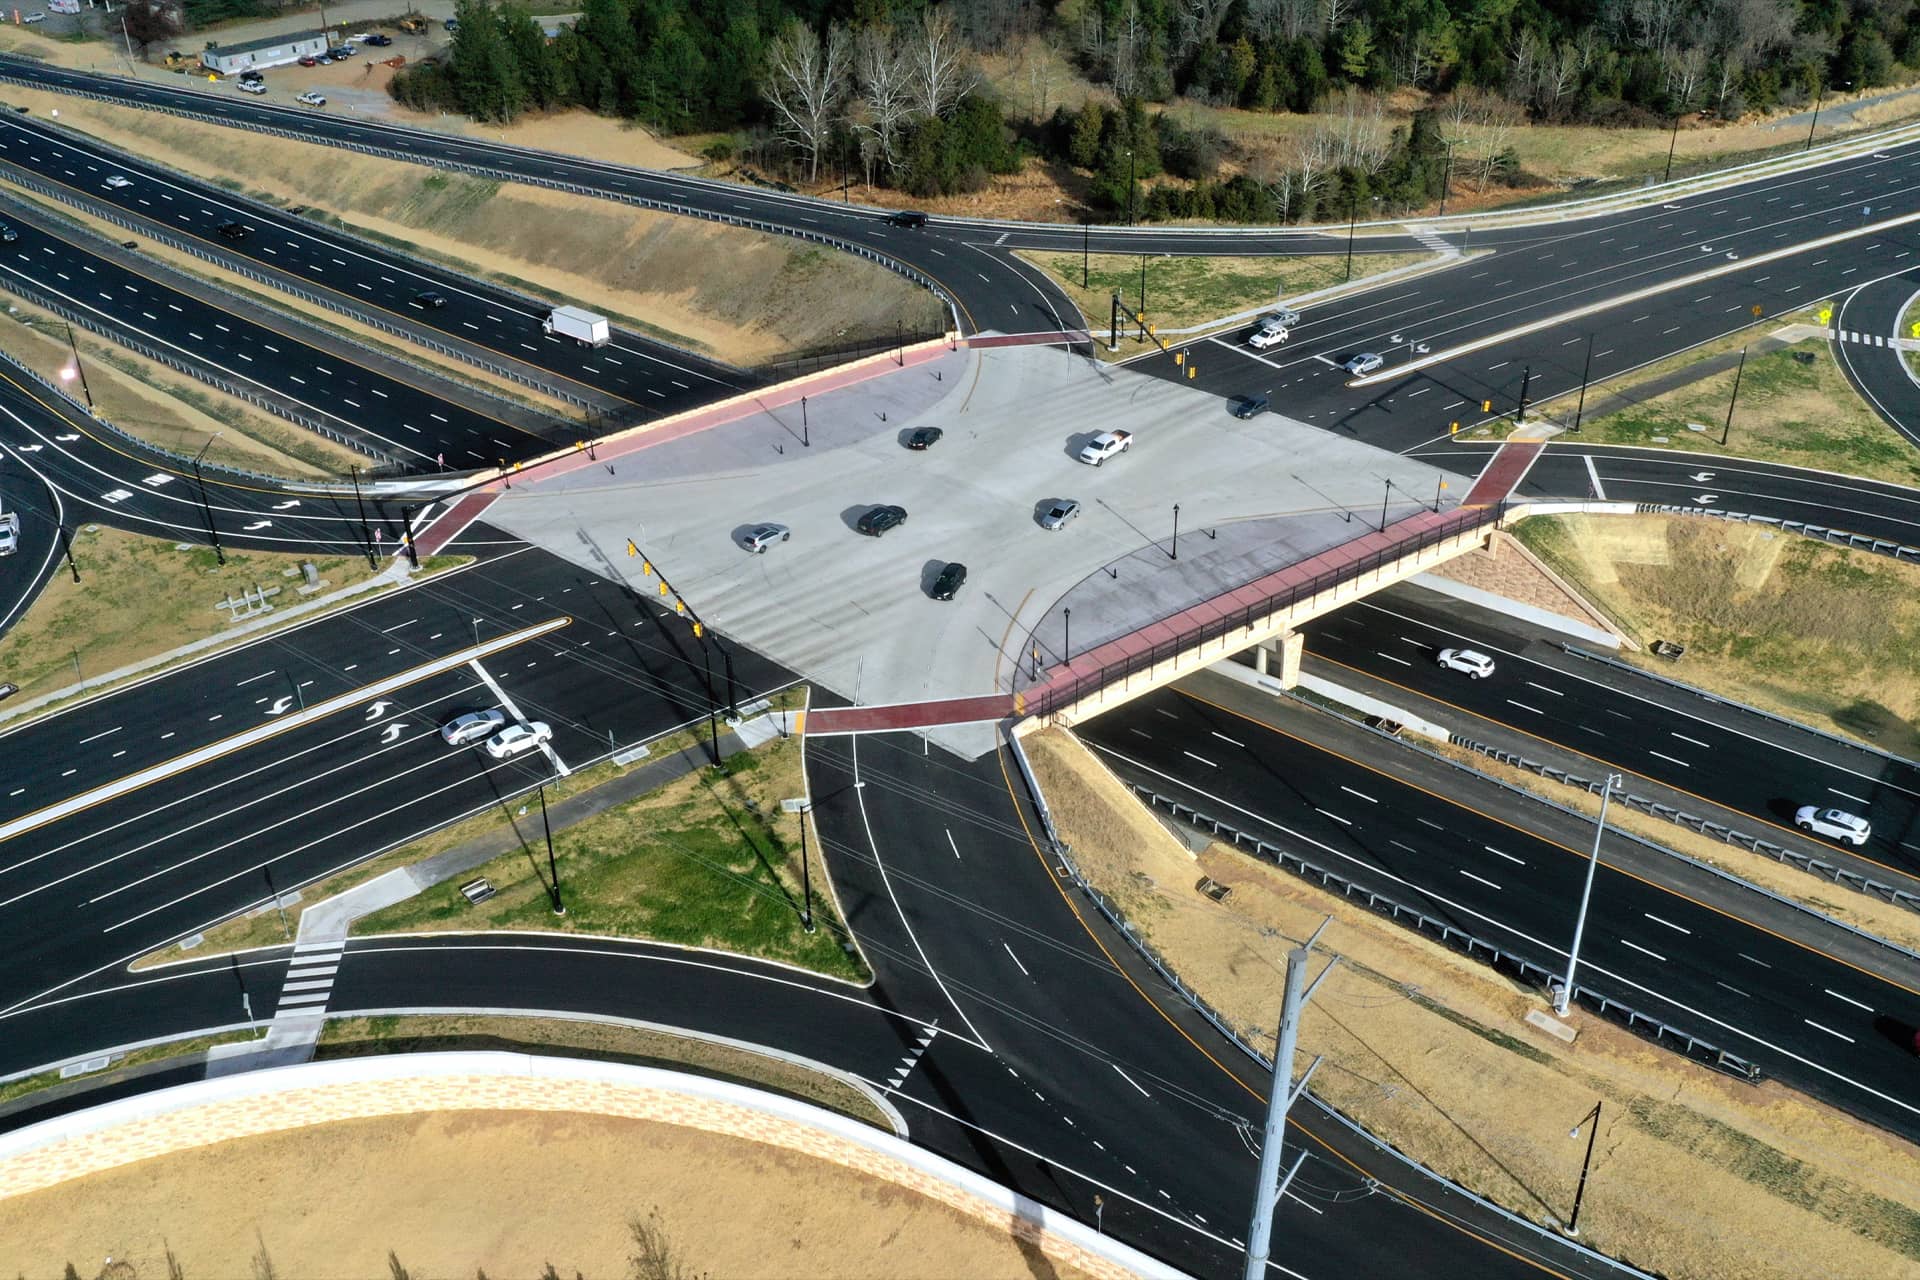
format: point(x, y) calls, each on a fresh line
point(286, 506)
point(392, 732)
point(378, 709)
point(257, 524)
point(28, 448)
point(1704, 498)
point(68, 439)
point(1701, 477)
point(280, 705)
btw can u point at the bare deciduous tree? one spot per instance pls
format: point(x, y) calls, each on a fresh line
point(1334, 14)
point(1283, 19)
point(807, 85)
point(943, 70)
point(1200, 22)
point(883, 67)
point(1358, 137)
point(1685, 69)
point(1736, 31)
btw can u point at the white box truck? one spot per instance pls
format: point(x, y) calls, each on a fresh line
point(584, 327)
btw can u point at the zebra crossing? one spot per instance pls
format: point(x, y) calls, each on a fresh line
point(309, 982)
point(913, 1056)
point(1432, 239)
point(1872, 339)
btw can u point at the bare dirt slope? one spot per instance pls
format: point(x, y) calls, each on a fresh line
point(507, 1192)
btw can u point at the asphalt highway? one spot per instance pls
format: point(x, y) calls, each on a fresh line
point(1821, 1025)
point(1686, 741)
point(141, 816)
point(363, 276)
point(1880, 372)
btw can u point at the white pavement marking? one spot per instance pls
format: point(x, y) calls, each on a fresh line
point(1829, 1030)
point(1671, 760)
point(1637, 947)
point(1482, 879)
point(1016, 962)
point(1849, 999)
point(260, 733)
point(1129, 1079)
point(1670, 924)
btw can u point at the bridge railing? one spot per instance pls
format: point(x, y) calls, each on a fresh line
point(1060, 693)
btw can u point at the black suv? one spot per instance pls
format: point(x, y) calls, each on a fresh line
point(881, 519)
point(379, 41)
point(251, 77)
point(951, 579)
point(923, 438)
point(907, 218)
point(235, 230)
point(430, 299)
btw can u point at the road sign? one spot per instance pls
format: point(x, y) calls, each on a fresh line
point(1826, 314)
point(1757, 308)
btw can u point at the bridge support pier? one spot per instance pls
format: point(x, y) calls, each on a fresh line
point(1287, 647)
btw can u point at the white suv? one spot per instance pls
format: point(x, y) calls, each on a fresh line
point(515, 738)
point(1264, 338)
point(1834, 824)
point(1471, 661)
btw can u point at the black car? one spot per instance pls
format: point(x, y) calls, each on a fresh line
point(235, 230)
point(251, 77)
point(8, 234)
point(379, 41)
point(1250, 406)
point(924, 438)
point(429, 299)
point(881, 519)
point(907, 218)
point(951, 579)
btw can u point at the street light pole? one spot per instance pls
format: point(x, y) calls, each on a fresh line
point(1353, 213)
point(1129, 186)
point(1819, 92)
point(1671, 144)
point(1176, 532)
point(1563, 999)
point(1585, 371)
point(79, 370)
point(366, 532)
point(1592, 1125)
point(553, 867)
point(806, 436)
point(1143, 288)
point(1446, 177)
point(1067, 643)
point(1734, 398)
point(1383, 505)
point(806, 876)
point(206, 508)
point(1526, 382)
point(1086, 249)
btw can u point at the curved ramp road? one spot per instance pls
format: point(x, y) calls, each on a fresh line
point(1865, 321)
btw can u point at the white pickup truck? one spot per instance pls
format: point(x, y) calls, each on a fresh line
point(1105, 445)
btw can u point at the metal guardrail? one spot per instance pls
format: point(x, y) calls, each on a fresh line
point(1720, 700)
point(1455, 524)
point(1806, 528)
point(11, 71)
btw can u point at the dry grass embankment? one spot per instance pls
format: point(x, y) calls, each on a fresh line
point(739, 295)
point(138, 597)
point(1695, 1174)
point(1823, 634)
point(510, 1193)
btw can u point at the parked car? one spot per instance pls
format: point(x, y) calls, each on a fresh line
point(762, 536)
point(924, 437)
point(1059, 513)
point(429, 299)
point(323, 59)
point(1364, 363)
point(116, 182)
point(342, 51)
point(379, 41)
point(1834, 824)
point(515, 738)
point(1284, 318)
point(881, 519)
point(951, 579)
point(907, 218)
point(235, 231)
point(35, 17)
point(1108, 444)
point(1264, 338)
point(361, 38)
point(252, 86)
point(1250, 406)
point(452, 25)
point(473, 726)
point(1471, 661)
point(312, 98)
point(251, 77)
point(308, 60)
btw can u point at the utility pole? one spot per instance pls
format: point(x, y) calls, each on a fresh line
point(1353, 213)
point(1086, 249)
point(553, 868)
point(1175, 555)
point(1446, 176)
point(806, 876)
point(1734, 398)
point(1591, 1122)
point(79, 370)
point(1129, 186)
point(1563, 998)
point(1671, 144)
point(366, 531)
point(1143, 288)
point(1281, 1096)
point(206, 508)
point(1526, 381)
point(1819, 93)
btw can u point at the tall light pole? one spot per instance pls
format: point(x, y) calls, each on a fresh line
point(1733, 399)
point(1591, 1123)
point(1446, 175)
point(1175, 555)
point(1129, 186)
point(1673, 142)
point(1563, 998)
point(1086, 249)
point(79, 370)
point(366, 531)
point(1282, 1094)
point(553, 867)
point(1585, 371)
point(1353, 213)
point(806, 875)
point(1820, 93)
point(206, 508)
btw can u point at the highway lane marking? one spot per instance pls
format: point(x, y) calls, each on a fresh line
point(1682, 763)
point(1501, 853)
point(1524, 707)
point(1845, 795)
point(1409, 848)
point(103, 734)
point(1670, 924)
point(1336, 817)
point(1737, 991)
point(1849, 999)
point(1829, 1030)
point(1016, 961)
point(1482, 879)
point(1130, 1080)
point(1390, 658)
point(951, 845)
point(1637, 947)
point(1423, 822)
point(1363, 795)
point(1542, 688)
point(1762, 963)
point(261, 733)
point(1695, 741)
point(1202, 759)
point(1224, 738)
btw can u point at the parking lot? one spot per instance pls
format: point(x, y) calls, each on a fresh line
point(855, 612)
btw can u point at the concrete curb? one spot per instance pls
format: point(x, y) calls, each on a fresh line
point(410, 1083)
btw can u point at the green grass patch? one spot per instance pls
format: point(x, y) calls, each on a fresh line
point(708, 860)
point(186, 1048)
point(1188, 291)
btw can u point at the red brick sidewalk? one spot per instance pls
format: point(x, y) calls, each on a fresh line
point(1504, 472)
point(909, 715)
point(453, 522)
